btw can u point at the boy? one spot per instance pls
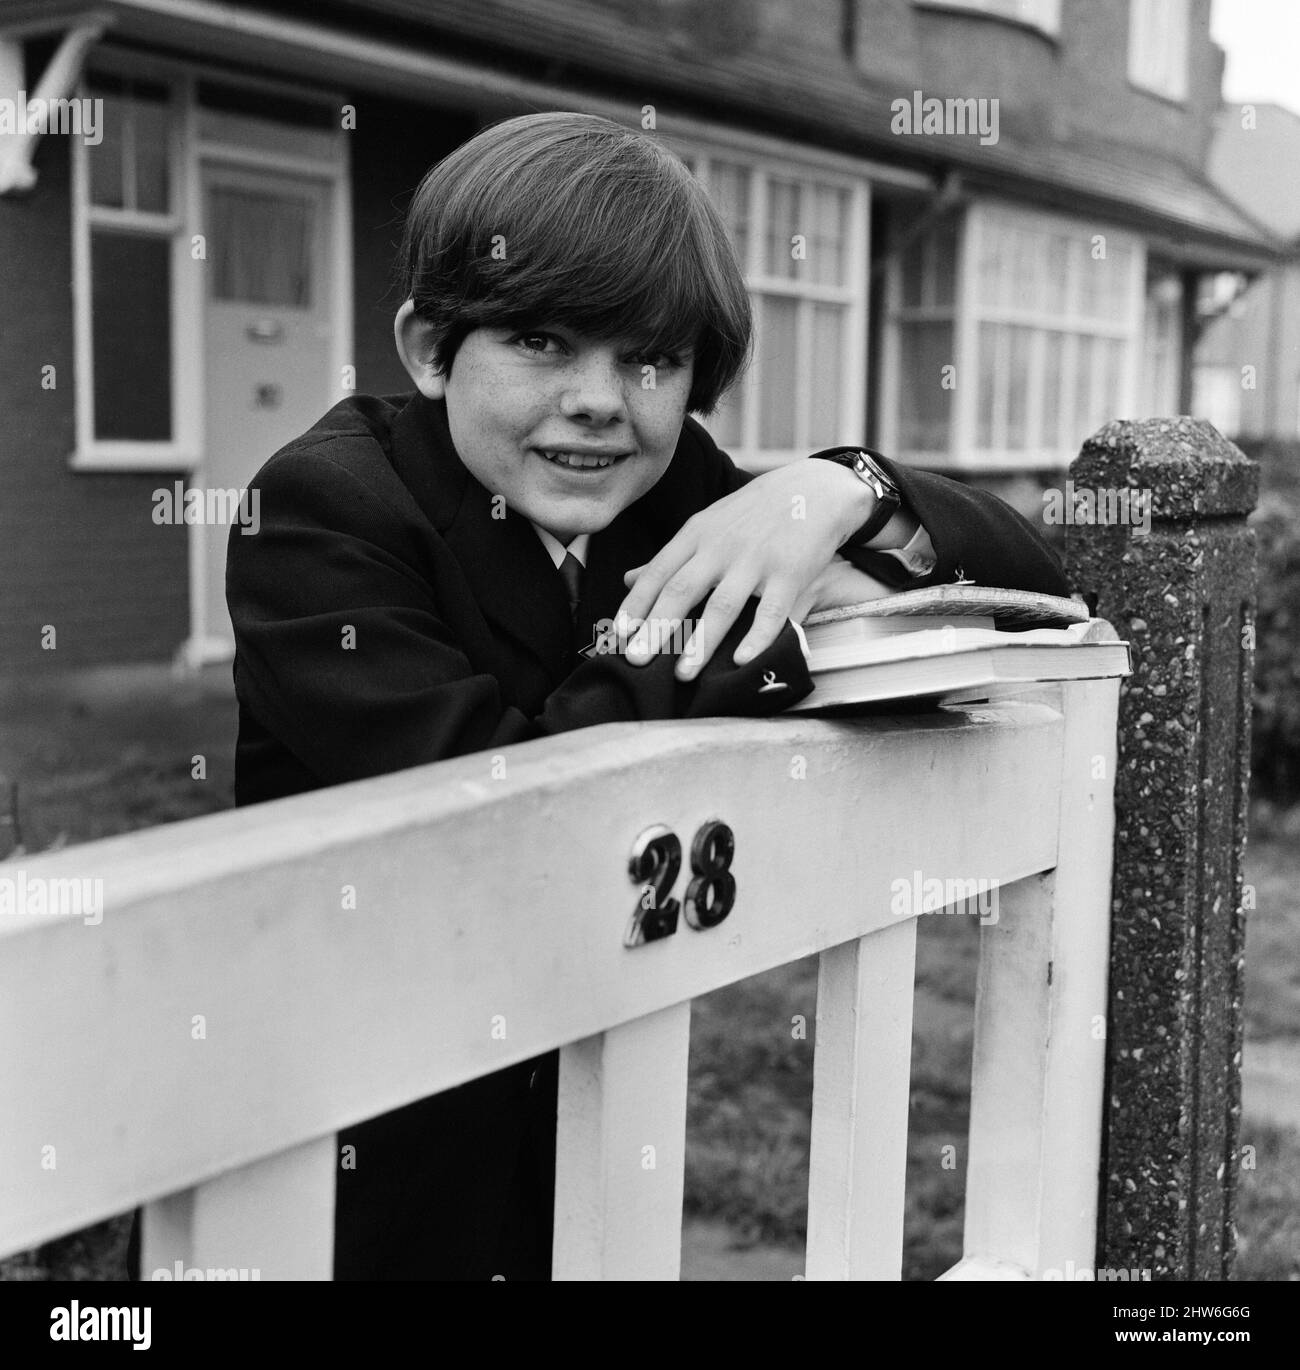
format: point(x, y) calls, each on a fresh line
point(429, 568)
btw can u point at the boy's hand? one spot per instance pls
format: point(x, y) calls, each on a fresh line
point(775, 537)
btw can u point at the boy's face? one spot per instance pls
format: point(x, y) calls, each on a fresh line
point(561, 424)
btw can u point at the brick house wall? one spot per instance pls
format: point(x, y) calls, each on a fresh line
point(1075, 84)
point(78, 551)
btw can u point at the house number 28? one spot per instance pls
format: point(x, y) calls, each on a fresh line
point(654, 866)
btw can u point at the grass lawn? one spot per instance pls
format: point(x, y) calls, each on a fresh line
point(119, 753)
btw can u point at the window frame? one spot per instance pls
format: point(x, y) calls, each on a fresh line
point(841, 173)
point(181, 450)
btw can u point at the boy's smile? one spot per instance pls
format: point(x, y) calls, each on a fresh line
point(563, 425)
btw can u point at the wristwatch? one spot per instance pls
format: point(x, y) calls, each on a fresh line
point(862, 462)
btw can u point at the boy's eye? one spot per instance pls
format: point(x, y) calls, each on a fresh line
point(534, 342)
point(661, 361)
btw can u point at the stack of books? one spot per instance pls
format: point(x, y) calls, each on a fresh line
point(953, 644)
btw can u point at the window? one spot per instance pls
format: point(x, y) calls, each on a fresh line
point(261, 247)
point(127, 236)
point(1038, 14)
point(1014, 336)
point(1157, 46)
point(801, 240)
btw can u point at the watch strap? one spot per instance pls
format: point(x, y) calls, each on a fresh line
point(862, 461)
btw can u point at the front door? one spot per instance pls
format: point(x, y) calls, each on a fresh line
point(269, 331)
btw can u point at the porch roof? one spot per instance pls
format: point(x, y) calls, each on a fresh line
point(500, 56)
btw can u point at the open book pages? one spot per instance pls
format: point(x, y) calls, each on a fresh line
point(1009, 608)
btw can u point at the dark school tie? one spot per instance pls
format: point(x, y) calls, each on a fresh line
point(571, 571)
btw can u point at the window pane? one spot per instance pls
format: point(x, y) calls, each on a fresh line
point(150, 144)
point(776, 372)
point(1084, 398)
point(924, 405)
point(783, 213)
point(1110, 401)
point(131, 335)
point(829, 236)
point(987, 394)
point(1017, 383)
point(729, 188)
point(260, 247)
point(1061, 251)
point(827, 374)
point(943, 261)
point(1028, 283)
point(1094, 284)
point(129, 167)
point(992, 263)
point(1118, 279)
point(913, 272)
point(726, 422)
point(1048, 429)
point(105, 158)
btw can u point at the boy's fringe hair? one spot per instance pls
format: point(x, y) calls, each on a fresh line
point(598, 229)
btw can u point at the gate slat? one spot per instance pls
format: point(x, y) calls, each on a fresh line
point(861, 1085)
point(275, 1217)
point(620, 1151)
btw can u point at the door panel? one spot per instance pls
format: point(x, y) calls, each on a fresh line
point(269, 333)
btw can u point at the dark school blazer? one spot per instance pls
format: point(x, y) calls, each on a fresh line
point(463, 643)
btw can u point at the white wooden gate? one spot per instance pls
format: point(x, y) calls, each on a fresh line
point(198, 1049)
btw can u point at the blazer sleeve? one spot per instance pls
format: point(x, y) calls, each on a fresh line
point(342, 655)
point(971, 530)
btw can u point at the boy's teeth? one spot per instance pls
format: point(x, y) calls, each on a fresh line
point(577, 459)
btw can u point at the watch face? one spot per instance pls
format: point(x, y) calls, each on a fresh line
point(877, 470)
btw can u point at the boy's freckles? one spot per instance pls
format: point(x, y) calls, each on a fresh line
point(561, 425)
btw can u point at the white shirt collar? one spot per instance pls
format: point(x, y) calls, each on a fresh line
point(557, 549)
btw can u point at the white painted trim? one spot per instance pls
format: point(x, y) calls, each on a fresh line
point(140, 221)
point(99, 454)
point(134, 456)
point(855, 396)
point(60, 77)
point(256, 159)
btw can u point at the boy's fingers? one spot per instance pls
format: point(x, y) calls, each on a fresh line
point(645, 588)
point(661, 625)
point(658, 608)
point(769, 618)
point(721, 611)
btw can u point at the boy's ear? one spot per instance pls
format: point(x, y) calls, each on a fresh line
point(413, 336)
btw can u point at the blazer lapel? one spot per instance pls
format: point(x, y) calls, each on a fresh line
point(510, 574)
